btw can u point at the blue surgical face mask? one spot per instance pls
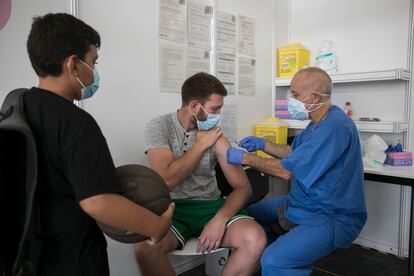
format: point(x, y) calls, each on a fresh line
point(90, 90)
point(212, 120)
point(298, 111)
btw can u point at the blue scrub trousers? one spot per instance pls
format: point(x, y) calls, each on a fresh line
point(294, 252)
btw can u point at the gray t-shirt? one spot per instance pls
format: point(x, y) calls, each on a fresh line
point(166, 132)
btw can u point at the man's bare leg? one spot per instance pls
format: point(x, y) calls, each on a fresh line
point(152, 259)
point(248, 240)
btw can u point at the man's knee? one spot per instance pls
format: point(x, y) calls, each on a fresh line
point(144, 251)
point(141, 250)
point(275, 258)
point(253, 240)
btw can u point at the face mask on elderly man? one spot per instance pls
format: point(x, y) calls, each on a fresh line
point(212, 120)
point(298, 110)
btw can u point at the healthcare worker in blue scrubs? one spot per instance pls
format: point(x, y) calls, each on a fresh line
point(325, 208)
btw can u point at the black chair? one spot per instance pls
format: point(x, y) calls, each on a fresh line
point(258, 181)
point(260, 187)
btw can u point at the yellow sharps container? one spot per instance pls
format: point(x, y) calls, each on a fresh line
point(291, 58)
point(273, 130)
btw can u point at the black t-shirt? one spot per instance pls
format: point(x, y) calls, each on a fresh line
point(74, 164)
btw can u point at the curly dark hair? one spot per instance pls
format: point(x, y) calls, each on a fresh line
point(199, 87)
point(54, 37)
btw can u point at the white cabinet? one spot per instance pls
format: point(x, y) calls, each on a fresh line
point(355, 77)
point(281, 87)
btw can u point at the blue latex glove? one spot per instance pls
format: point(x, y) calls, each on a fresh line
point(390, 148)
point(252, 143)
point(235, 156)
point(398, 148)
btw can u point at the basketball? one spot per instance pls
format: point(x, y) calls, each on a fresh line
point(146, 188)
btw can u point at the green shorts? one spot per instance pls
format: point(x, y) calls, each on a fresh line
point(190, 217)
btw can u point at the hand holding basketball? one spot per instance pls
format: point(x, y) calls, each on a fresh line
point(146, 188)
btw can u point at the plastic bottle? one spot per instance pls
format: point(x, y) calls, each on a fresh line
point(326, 57)
point(348, 109)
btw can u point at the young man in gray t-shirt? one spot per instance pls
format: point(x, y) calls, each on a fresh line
point(184, 148)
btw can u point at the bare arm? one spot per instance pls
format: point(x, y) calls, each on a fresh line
point(175, 171)
point(276, 150)
point(118, 211)
point(213, 232)
point(269, 166)
point(237, 178)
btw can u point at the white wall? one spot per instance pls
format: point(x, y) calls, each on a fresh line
point(128, 66)
point(369, 34)
point(15, 69)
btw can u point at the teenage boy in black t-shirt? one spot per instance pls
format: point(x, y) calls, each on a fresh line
point(77, 177)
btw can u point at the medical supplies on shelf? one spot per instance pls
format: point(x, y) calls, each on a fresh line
point(397, 157)
point(404, 158)
point(326, 57)
point(273, 130)
point(281, 109)
point(348, 109)
point(291, 58)
point(374, 148)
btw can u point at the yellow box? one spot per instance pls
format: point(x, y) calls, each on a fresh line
point(273, 130)
point(291, 58)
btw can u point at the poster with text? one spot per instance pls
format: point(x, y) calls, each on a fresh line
point(247, 76)
point(172, 67)
point(173, 20)
point(200, 15)
point(247, 36)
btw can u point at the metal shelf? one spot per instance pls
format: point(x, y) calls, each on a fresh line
point(382, 75)
point(378, 127)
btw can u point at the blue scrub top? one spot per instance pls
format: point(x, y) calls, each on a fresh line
point(328, 177)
